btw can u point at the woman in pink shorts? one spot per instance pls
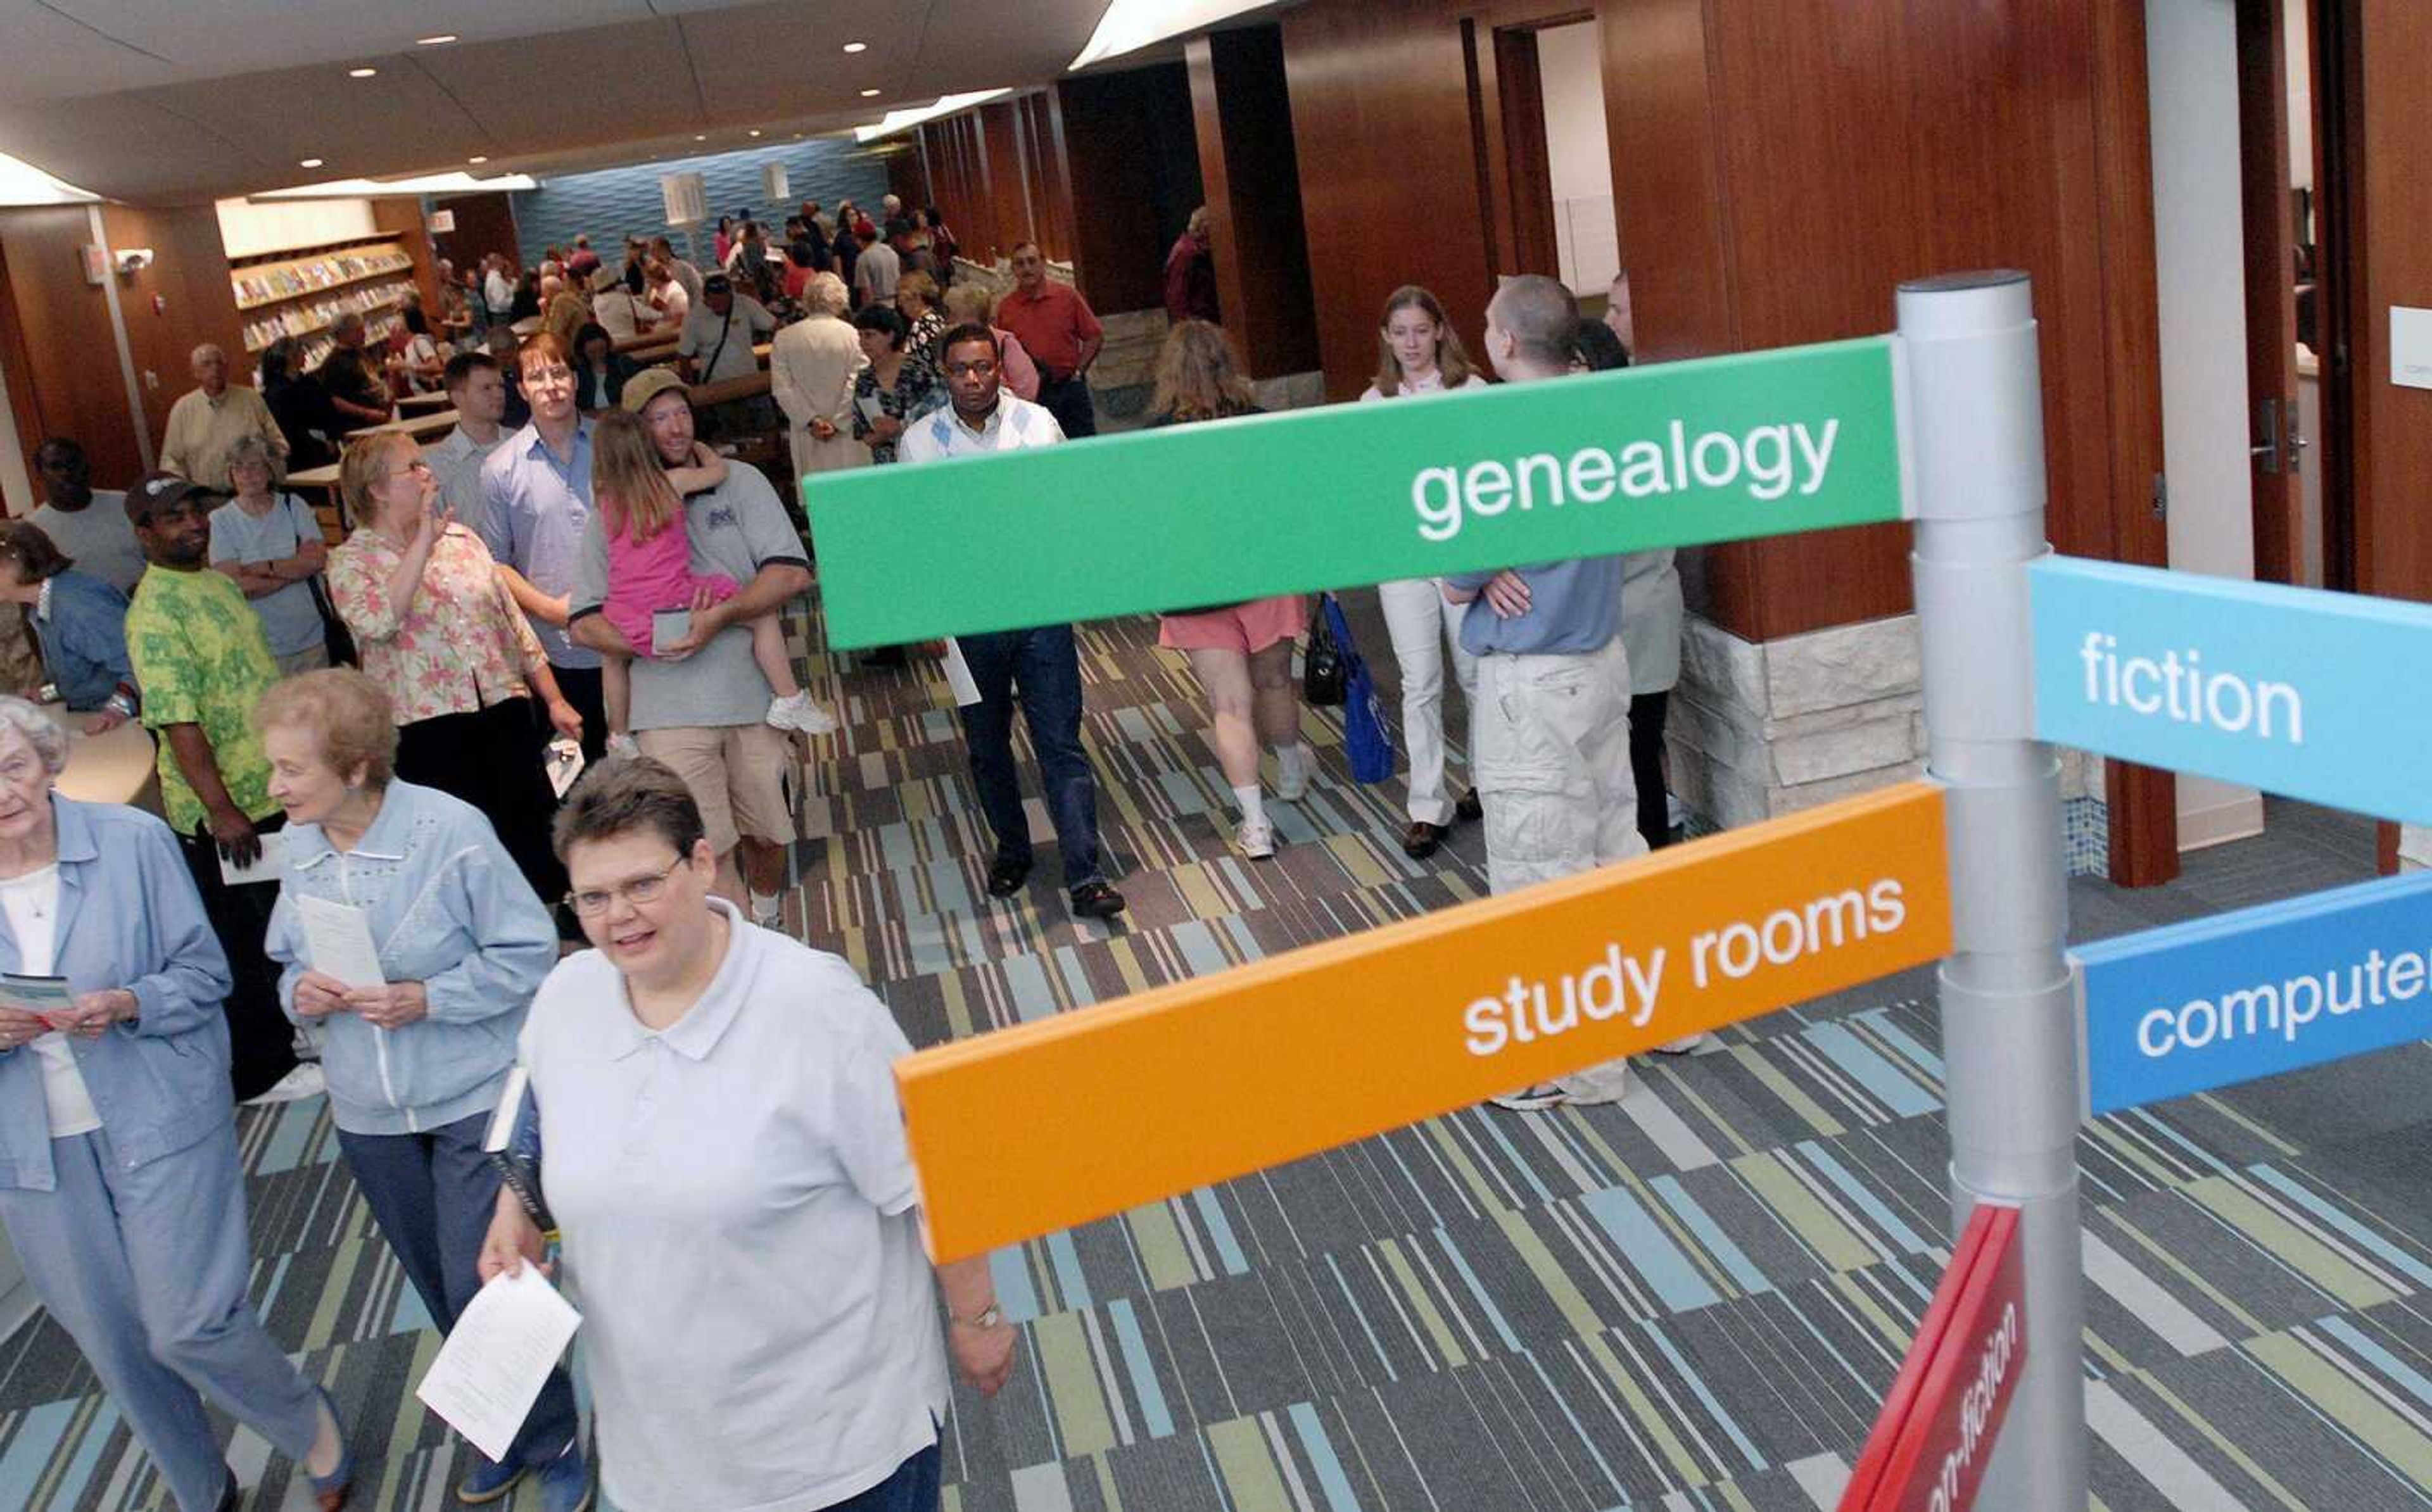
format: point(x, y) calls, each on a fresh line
point(1241, 653)
point(650, 570)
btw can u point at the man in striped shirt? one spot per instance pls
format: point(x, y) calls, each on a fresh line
point(1041, 662)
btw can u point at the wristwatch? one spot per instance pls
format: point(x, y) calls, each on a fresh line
point(988, 1318)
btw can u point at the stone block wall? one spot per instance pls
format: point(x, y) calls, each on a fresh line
point(1760, 730)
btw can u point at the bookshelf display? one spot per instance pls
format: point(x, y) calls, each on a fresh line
point(303, 294)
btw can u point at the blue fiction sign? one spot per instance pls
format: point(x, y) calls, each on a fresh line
point(2292, 690)
point(2224, 999)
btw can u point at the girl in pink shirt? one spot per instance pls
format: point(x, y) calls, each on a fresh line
point(650, 570)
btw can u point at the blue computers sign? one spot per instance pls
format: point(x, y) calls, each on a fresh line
point(2237, 996)
point(2314, 695)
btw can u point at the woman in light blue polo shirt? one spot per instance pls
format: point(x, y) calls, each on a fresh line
point(416, 1064)
point(726, 1159)
point(120, 1185)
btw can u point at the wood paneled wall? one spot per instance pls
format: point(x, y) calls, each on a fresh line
point(1389, 189)
point(1816, 216)
point(997, 174)
point(1250, 166)
point(2385, 49)
point(70, 357)
point(485, 222)
point(177, 304)
point(1133, 154)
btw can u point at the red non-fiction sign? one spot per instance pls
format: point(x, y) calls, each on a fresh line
point(1930, 1446)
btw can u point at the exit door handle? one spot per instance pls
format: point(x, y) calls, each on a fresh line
point(2276, 422)
point(2298, 440)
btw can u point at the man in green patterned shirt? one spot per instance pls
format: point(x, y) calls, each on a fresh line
point(189, 630)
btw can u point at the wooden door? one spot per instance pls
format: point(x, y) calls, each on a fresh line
point(2277, 441)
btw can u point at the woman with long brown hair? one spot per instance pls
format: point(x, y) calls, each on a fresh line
point(1418, 353)
point(1241, 653)
point(649, 569)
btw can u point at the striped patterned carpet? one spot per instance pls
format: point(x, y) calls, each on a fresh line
point(1692, 1300)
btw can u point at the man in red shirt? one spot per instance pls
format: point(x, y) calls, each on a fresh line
point(1058, 329)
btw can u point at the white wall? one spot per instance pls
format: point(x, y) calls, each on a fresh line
point(2199, 246)
point(1579, 155)
point(249, 229)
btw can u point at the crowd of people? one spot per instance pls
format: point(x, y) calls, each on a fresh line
point(362, 731)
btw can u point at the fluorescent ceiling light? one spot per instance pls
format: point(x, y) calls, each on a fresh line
point(361, 72)
point(21, 183)
point(308, 163)
point(440, 41)
point(1129, 26)
point(913, 115)
point(478, 158)
point(377, 188)
point(869, 95)
point(856, 47)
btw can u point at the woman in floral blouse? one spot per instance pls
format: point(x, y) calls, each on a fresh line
point(897, 388)
point(438, 632)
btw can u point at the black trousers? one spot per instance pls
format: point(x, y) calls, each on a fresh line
point(1067, 400)
point(261, 1043)
point(1646, 712)
point(492, 760)
point(582, 687)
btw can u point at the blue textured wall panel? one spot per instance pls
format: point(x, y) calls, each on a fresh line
point(614, 201)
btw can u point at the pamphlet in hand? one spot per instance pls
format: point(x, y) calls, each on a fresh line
point(873, 407)
point(668, 626)
point(966, 688)
point(338, 942)
point(265, 868)
point(497, 1357)
point(49, 999)
point(563, 763)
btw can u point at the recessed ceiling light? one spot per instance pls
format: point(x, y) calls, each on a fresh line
point(309, 163)
point(360, 72)
point(754, 131)
point(702, 138)
point(869, 95)
point(440, 41)
point(856, 47)
point(476, 158)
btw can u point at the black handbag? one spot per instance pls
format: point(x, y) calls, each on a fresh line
point(335, 638)
point(339, 639)
point(1321, 674)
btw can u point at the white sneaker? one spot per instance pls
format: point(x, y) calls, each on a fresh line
point(1255, 840)
point(1291, 778)
point(768, 909)
point(800, 714)
point(620, 744)
point(303, 1081)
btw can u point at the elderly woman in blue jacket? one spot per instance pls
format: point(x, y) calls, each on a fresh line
point(119, 1179)
point(80, 620)
point(416, 1061)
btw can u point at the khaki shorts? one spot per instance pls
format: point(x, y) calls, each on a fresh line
point(736, 774)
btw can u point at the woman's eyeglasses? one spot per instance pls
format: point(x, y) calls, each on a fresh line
point(643, 889)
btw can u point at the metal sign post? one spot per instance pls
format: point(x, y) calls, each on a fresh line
point(1973, 432)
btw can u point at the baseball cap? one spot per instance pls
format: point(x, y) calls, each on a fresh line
point(649, 384)
point(158, 490)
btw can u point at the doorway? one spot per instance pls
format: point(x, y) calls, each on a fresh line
point(1544, 159)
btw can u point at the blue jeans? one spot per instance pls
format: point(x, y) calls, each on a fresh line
point(1043, 666)
point(432, 1195)
point(913, 1488)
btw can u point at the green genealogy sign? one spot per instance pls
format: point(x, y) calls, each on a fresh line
point(1676, 454)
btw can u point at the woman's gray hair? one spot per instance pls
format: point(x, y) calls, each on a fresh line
point(34, 724)
point(251, 447)
point(825, 295)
